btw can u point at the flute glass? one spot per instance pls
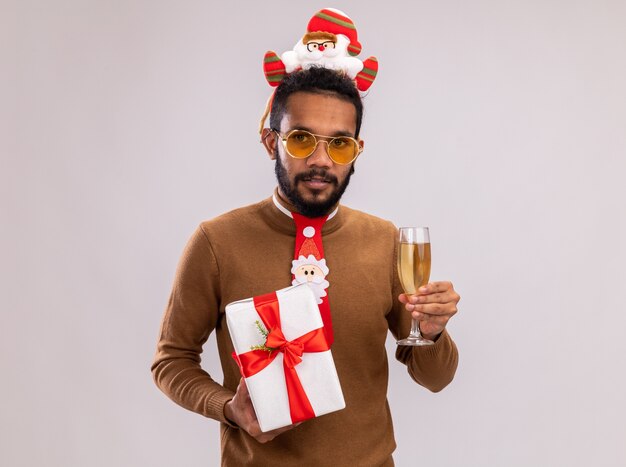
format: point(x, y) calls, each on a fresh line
point(414, 271)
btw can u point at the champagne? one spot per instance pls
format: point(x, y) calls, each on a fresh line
point(414, 266)
point(414, 272)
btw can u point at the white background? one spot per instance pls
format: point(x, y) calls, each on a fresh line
point(500, 124)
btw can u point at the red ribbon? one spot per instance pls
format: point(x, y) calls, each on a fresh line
point(250, 363)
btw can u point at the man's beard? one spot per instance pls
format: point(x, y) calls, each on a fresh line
point(310, 208)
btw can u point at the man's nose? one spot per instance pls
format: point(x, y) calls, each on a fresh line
point(320, 157)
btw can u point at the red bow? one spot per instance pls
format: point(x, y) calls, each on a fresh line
point(292, 350)
point(250, 363)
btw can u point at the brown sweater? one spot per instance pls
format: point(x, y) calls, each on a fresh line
point(248, 252)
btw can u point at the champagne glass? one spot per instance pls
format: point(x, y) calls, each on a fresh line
point(414, 271)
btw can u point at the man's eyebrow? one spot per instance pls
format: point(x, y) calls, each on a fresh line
point(336, 133)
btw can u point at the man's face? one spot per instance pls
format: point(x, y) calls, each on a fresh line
point(315, 184)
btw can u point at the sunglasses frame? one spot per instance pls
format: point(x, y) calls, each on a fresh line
point(327, 140)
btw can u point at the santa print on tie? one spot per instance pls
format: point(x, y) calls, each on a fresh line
point(309, 265)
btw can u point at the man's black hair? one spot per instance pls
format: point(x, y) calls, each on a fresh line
point(316, 80)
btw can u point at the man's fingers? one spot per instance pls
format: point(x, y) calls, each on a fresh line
point(442, 297)
point(437, 297)
point(431, 324)
point(433, 305)
point(434, 309)
point(421, 316)
point(437, 303)
point(246, 417)
point(243, 389)
point(404, 298)
point(432, 292)
point(434, 287)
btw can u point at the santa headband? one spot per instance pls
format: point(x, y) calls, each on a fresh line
point(330, 41)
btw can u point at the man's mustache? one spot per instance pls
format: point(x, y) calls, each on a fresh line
point(316, 173)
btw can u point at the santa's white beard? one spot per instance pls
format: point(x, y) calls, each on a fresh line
point(305, 56)
point(318, 285)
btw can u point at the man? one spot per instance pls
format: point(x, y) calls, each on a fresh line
point(247, 252)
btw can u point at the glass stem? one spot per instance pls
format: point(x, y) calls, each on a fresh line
point(415, 328)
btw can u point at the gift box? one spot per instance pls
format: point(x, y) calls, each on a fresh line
point(284, 357)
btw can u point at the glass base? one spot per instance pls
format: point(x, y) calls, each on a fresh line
point(415, 341)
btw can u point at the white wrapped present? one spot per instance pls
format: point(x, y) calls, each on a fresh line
point(284, 357)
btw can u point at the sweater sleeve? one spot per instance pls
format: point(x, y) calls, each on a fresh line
point(432, 366)
point(191, 315)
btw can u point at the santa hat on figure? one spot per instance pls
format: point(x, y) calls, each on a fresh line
point(331, 41)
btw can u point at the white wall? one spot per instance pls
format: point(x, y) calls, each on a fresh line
point(499, 124)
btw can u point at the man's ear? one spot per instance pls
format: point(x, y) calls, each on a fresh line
point(269, 140)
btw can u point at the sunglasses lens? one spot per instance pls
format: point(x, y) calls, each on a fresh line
point(300, 144)
point(342, 150)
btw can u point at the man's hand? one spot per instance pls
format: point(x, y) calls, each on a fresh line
point(240, 411)
point(433, 305)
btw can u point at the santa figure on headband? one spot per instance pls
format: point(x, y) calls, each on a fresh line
point(330, 42)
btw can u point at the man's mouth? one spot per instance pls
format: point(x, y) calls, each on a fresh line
point(316, 184)
point(317, 180)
